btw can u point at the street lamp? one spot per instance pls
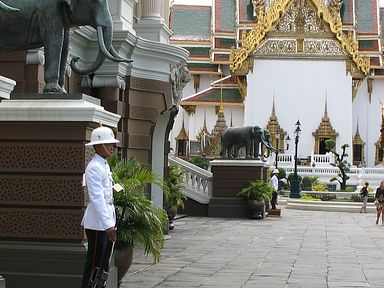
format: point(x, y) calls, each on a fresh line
point(295, 182)
point(277, 136)
point(288, 140)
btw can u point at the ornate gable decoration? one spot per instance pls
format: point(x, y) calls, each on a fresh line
point(298, 18)
point(300, 33)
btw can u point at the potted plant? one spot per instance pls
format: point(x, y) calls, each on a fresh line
point(143, 223)
point(257, 193)
point(175, 197)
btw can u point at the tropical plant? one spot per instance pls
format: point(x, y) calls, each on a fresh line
point(308, 182)
point(342, 164)
point(199, 161)
point(143, 222)
point(320, 187)
point(256, 190)
point(175, 182)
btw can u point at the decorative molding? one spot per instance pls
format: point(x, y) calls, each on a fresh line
point(190, 109)
point(35, 56)
point(52, 223)
point(145, 113)
point(6, 87)
point(179, 79)
point(355, 87)
point(42, 157)
point(57, 110)
point(139, 142)
point(37, 190)
point(252, 40)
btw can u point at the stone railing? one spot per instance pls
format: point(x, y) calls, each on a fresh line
point(198, 181)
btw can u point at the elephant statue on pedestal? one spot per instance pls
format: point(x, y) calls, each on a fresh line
point(249, 137)
point(263, 137)
point(31, 24)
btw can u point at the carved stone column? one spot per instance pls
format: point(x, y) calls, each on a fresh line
point(151, 9)
point(152, 25)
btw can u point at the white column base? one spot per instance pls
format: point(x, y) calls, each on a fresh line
point(153, 29)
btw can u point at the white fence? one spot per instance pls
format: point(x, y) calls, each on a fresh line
point(324, 172)
point(199, 181)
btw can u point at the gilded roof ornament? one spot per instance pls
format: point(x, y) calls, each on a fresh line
point(331, 15)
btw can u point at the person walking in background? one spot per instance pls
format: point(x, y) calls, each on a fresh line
point(99, 218)
point(364, 196)
point(379, 201)
point(275, 188)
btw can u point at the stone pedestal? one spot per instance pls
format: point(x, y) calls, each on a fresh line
point(229, 177)
point(6, 87)
point(43, 158)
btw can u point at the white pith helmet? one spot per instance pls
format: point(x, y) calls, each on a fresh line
point(275, 171)
point(102, 135)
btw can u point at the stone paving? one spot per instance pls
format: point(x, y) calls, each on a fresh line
point(308, 249)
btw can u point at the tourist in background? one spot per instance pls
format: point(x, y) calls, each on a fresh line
point(275, 188)
point(364, 197)
point(379, 200)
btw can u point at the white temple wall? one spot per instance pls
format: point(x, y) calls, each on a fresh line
point(299, 88)
point(367, 115)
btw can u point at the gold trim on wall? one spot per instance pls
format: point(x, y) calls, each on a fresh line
point(267, 20)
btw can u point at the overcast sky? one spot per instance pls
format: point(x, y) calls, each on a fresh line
point(192, 2)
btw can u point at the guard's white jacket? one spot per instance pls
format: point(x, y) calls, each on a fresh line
point(100, 212)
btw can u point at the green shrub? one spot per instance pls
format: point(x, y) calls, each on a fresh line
point(199, 161)
point(319, 187)
point(356, 198)
point(322, 196)
point(308, 182)
point(309, 197)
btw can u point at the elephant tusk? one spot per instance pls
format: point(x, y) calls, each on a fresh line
point(117, 56)
point(107, 54)
point(8, 8)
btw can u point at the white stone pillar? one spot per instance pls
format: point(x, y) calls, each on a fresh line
point(122, 12)
point(152, 25)
point(6, 87)
point(151, 9)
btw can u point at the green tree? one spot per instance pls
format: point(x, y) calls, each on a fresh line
point(340, 162)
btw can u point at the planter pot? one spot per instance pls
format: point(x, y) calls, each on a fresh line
point(256, 209)
point(171, 215)
point(123, 260)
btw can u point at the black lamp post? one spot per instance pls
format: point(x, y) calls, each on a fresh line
point(295, 182)
point(277, 136)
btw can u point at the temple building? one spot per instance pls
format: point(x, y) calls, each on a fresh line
point(273, 62)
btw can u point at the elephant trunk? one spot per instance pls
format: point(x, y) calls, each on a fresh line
point(8, 8)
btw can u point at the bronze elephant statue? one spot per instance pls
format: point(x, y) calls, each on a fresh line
point(47, 23)
point(249, 137)
point(262, 139)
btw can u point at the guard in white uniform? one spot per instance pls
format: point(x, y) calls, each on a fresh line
point(275, 188)
point(99, 217)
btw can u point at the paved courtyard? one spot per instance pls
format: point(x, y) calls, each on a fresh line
point(309, 249)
